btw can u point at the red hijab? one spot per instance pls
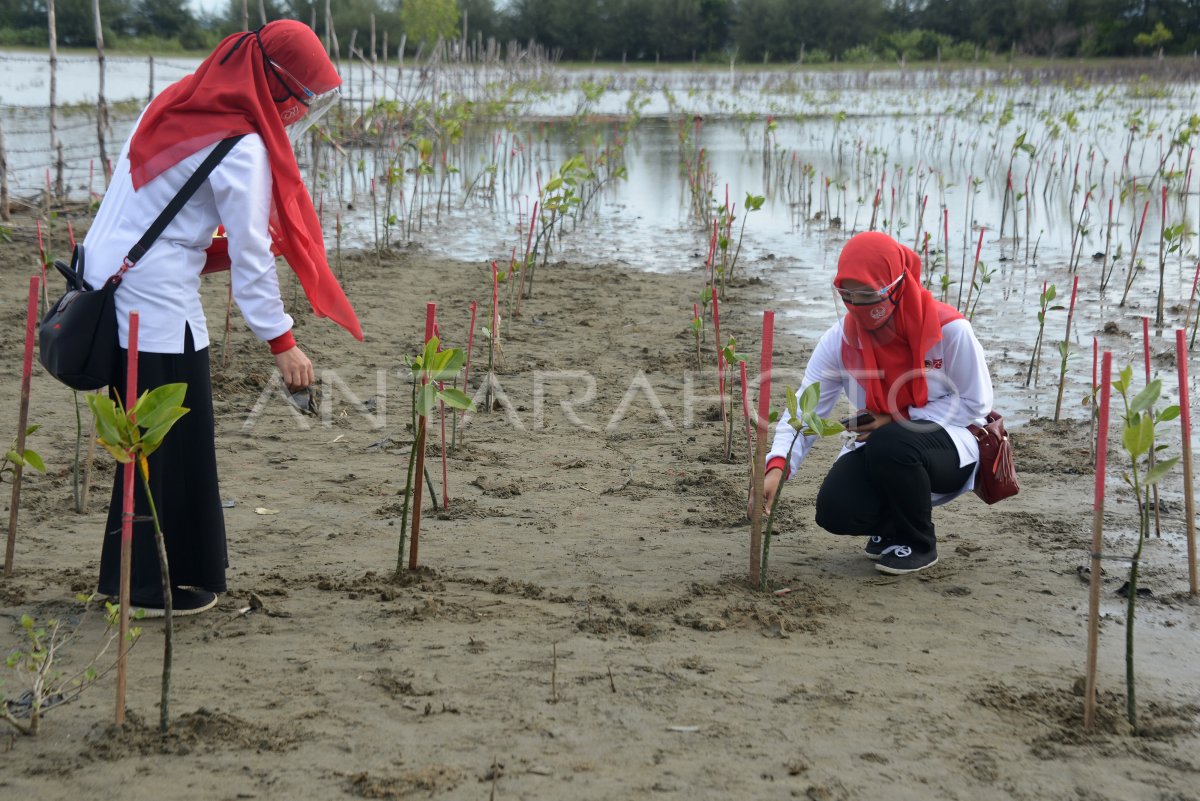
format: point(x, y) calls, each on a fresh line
point(230, 93)
point(884, 344)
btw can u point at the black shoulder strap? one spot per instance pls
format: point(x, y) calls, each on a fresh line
point(181, 198)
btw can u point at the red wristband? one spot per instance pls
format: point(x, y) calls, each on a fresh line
point(777, 461)
point(284, 341)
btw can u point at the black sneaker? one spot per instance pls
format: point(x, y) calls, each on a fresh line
point(899, 559)
point(875, 546)
point(184, 602)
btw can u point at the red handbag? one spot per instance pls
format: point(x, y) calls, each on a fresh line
point(996, 478)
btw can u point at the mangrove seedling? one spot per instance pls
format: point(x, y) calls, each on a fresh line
point(37, 666)
point(730, 358)
point(132, 436)
point(804, 420)
point(27, 457)
point(1137, 438)
point(429, 369)
point(983, 278)
point(1035, 359)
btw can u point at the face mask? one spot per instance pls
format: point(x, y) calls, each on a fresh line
point(290, 111)
point(871, 317)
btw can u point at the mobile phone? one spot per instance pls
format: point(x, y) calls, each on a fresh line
point(852, 423)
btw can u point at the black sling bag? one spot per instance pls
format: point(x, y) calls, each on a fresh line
point(77, 339)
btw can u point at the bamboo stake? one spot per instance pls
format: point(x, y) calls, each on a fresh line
point(5, 213)
point(101, 101)
point(1089, 693)
point(22, 422)
point(1185, 422)
point(85, 485)
point(126, 527)
point(52, 25)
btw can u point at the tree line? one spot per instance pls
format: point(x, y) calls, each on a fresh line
point(768, 31)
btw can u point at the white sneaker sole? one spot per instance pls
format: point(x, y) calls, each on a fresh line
point(155, 613)
point(901, 571)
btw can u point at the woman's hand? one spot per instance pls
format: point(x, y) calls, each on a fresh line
point(865, 430)
point(295, 367)
point(770, 486)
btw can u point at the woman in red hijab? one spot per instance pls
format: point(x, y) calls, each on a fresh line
point(257, 85)
point(915, 372)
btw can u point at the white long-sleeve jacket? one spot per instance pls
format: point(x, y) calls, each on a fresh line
point(960, 393)
point(164, 286)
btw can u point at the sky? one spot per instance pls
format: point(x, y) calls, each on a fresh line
point(205, 6)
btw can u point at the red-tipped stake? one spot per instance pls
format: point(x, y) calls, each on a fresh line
point(757, 509)
point(495, 329)
point(1185, 422)
point(974, 271)
point(525, 263)
point(466, 373)
point(131, 384)
point(1092, 398)
point(31, 316)
point(419, 444)
point(720, 376)
point(1089, 692)
point(442, 420)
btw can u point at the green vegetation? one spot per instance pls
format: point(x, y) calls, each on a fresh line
point(717, 31)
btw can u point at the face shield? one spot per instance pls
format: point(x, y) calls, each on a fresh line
point(310, 114)
point(300, 108)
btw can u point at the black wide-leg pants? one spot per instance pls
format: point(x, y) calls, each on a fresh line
point(183, 481)
point(883, 489)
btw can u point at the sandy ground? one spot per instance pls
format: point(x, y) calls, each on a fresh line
point(582, 627)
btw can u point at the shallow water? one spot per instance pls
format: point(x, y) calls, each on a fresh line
point(944, 141)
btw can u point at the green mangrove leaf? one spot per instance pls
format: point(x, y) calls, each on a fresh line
point(809, 397)
point(1159, 470)
point(791, 401)
point(154, 436)
point(456, 399)
point(110, 425)
point(118, 453)
point(1138, 435)
point(34, 460)
point(1146, 398)
point(160, 404)
point(426, 397)
point(1169, 413)
point(1124, 380)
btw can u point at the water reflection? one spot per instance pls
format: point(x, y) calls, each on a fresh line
point(915, 155)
